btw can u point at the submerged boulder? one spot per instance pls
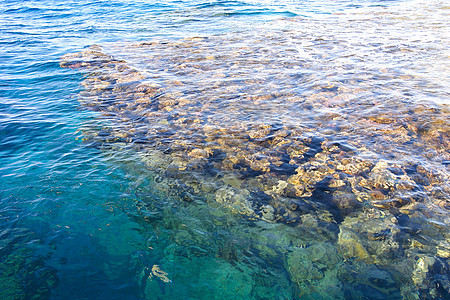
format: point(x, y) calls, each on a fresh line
point(372, 237)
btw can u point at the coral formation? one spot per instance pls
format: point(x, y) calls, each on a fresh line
point(236, 131)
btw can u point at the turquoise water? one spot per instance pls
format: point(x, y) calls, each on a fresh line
point(90, 214)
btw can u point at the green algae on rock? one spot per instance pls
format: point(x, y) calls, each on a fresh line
point(24, 278)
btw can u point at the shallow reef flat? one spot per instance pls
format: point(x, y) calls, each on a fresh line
point(338, 145)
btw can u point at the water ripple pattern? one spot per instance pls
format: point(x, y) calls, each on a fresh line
point(224, 149)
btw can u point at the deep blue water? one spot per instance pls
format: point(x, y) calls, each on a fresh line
point(71, 226)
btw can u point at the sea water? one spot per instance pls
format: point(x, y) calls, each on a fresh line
point(100, 199)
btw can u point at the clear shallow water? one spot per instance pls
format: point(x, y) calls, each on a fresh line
point(87, 217)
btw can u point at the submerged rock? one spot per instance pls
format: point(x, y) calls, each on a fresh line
point(24, 277)
point(360, 168)
point(371, 237)
point(443, 249)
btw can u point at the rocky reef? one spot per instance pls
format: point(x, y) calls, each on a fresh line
point(22, 277)
point(250, 128)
